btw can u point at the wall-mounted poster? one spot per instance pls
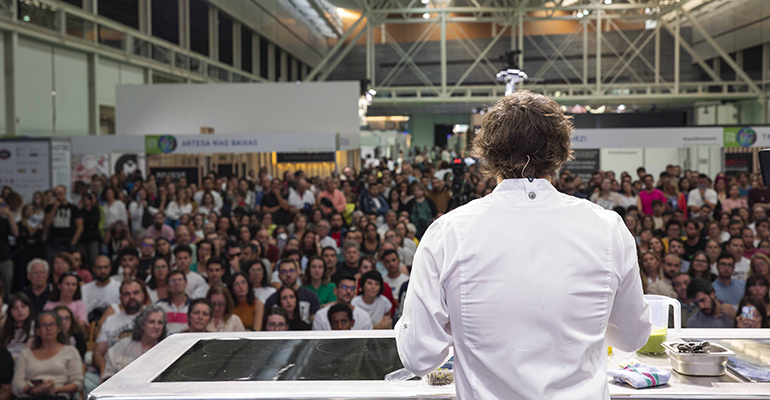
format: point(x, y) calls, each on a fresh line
point(25, 166)
point(61, 164)
point(88, 165)
point(128, 163)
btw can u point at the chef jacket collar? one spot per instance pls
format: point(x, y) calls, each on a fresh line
point(537, 191)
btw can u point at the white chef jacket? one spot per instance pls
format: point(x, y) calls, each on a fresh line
point(526, 283)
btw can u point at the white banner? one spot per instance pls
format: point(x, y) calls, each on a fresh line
point(647, 137)
point(25, 166)
point(61, 165)
point(86, 166)
point(256, 143)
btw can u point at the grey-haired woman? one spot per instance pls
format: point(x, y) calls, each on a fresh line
point(149, 329)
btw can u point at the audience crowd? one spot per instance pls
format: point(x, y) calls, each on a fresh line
point(90, 280)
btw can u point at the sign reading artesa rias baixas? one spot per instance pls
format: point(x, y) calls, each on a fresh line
point(191, 144)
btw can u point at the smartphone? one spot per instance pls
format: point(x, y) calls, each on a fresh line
point(37, 382)
point(748, 312)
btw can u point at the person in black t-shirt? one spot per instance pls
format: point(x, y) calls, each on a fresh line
point(276, 204)
point(63, 223)
point(695, 242)
point(8, 228)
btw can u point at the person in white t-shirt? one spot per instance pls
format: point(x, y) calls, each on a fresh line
point(102, 291)
point(736, 247)
point(395, 278)
point(373, 302)
point(345, 291)
point(183, 257)
point(121, 324)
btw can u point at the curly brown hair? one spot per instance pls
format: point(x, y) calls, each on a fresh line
point(524, 124)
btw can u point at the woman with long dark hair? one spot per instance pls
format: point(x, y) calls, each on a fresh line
point(247, 307)
point(259, 279)
point(757, 287)
point(157, 288)
point(316, 279)
point(222, 317)
point(288, 300)
point(18, 326)
point(72, 330)
point(371, 243)
point(700, 267)
point(66, 293)
point(751, 313)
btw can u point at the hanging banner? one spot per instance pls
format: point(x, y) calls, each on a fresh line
point(25, 166)
point(223, 144)
point(189, 173)
point(647, 137)
point(86, 166)
point(61, 165)
point(128, 163)
point(747, 136)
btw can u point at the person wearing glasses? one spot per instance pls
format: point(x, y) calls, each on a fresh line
point(277, 320)
point(51, 367)
point(307, 301)
point(222, 317)
point(177, 303)
point(345, 292)
point(726, 288)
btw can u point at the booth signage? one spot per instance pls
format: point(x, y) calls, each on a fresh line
point(224, 144)
point(190, 173)
point(25, 166)
point(305, 157)
point(586, 162)
point(736, 163)
point(740, 136)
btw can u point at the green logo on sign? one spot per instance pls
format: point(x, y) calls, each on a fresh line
point(159, 144)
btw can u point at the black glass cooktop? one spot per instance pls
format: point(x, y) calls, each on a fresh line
point(285, 360)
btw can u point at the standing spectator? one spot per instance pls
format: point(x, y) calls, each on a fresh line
point(150, 327)
point(91, 238)
point(63, 223)
point(648, 195)
point(51, 367)
point(334, 199)
point(421, 209)
point(222, 317)
point(114, 209)
point(8, 229)
point(139, 214)
point(275, 203)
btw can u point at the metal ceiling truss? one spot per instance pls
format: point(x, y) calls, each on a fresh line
point(602, 85)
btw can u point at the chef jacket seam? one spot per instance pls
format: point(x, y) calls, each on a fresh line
point(611, 228)
point(471, 363)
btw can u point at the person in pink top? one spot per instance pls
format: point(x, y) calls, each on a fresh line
point(67, 293)
point(733, 199)
point(648, 195)
point(334, 195)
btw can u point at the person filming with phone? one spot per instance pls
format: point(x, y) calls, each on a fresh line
point(528, 284)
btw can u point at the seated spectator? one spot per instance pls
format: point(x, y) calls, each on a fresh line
point(247, 307)
point(345, 292)
point(316, 279)
point(61, 263)
point(727, 289)
point(288, 301)
point(198, 316)
point(757, 287)
point(51, 367)
point(680, 282)
point(19, 325)
point(81, 266)
point(149, 328)
point(760, 265)
point(351, 254)
point(214, 271)
point(712, 313)
point(307, 301)
point(6, 374)
point(133, 295)
point(222, 317)
point(371, 243)
point(663, 286)
point(699, 267)
point(102, 292)
point(39, 290)
point(751, 314)
point(258, 277)
point(372, 301)
point(177, 303)
point(741, 265)
point(341, 317)
point(163, 250)
point(72, 331)
point(183, 256)
point(3, 306)
point(277, 320)
point(157, 288)
point(67, 293)
point(395, 276)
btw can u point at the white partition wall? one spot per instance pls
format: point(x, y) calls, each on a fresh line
point(323, 107)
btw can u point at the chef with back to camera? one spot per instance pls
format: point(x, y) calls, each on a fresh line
point(528, 284)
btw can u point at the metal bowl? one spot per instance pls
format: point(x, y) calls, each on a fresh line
point(713, 363)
